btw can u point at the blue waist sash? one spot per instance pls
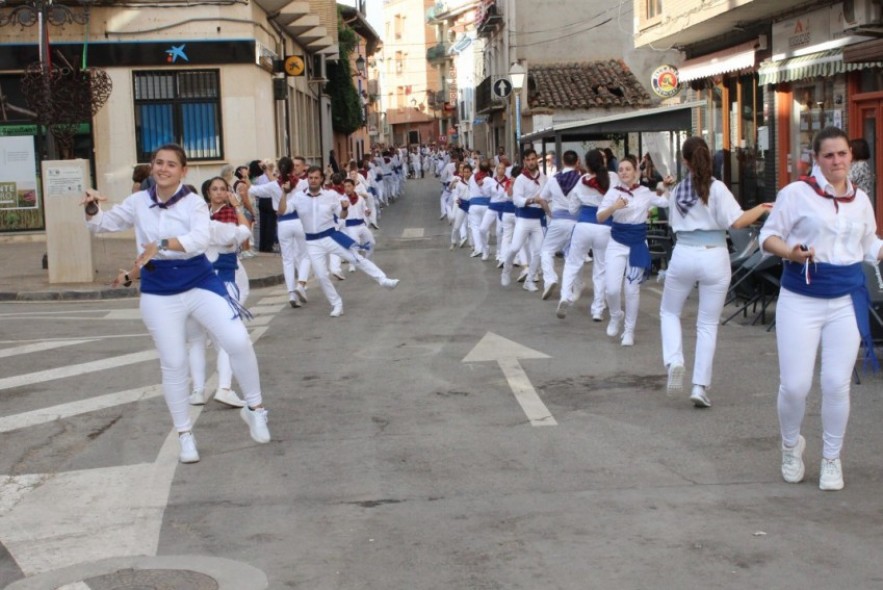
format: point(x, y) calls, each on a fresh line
point(354, 222)
point(634, 235)
point(703, 238)
point(372, 190)
point(464, 205)
point(829, 281)
point(589, 214)
point(288, 217)
point(563, 214)
point(480, 201)
point(338, 236)
point(530, 213)
point(379, 176)
point(171, 277)
point(225, 267)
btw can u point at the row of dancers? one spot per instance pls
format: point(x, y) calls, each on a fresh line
point(821, 226)
point(192, 286)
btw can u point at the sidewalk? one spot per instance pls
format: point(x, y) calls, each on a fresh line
point(22, 277)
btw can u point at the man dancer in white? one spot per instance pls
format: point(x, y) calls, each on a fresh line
point(588, 234)
point(557, 195)
point(500, 202)
point(530, 218)
point(447, 173)
point(290, 231)
point(318, 210)
point(459, 188)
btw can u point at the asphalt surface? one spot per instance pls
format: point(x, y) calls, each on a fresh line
point(394, 464)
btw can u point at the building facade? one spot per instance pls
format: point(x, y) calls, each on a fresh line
point(208, 76)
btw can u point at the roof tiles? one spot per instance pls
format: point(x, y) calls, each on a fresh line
point(585, 85)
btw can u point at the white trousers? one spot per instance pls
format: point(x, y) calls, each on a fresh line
point(320, 250)
point(528, 234)
point(362, 235)
point(479, 240)
point(617, 261)
point(444, 200)
point(556, 240)
point(458, 227)
point(710, 267)
point(196, 341)
point(165, 317)
point(587, 236)
point(802, 324)
point(491, 218)
point(293, 247)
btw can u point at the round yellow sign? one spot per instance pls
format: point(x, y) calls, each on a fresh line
point(294, 65)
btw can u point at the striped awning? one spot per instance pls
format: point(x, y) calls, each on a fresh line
point(740, 57)
point(821, 64)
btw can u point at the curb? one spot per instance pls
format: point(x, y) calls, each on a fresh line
point(118, 293)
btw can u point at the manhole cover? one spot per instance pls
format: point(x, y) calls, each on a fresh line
point(131, 579)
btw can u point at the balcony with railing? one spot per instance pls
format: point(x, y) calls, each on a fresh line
point(437, 52)
point(488, 17)
point(485, 101)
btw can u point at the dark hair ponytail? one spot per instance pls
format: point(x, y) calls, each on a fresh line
point(698, 157)
point(595, 165)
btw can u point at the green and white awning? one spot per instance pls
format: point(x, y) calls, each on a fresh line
point(821, 64)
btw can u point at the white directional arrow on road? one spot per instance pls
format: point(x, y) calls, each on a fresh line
point(507, 354)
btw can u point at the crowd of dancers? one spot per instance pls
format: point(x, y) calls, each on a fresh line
point(821, 226)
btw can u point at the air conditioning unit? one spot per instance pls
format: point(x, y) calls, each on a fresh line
point(862, 13)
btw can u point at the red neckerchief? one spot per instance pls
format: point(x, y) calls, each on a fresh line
point(479, 176)
point(503, 183)
point(338, 188)
point(536, 178)
point(354, 198)
point(363, 172)
point(629, 190)
point(593, 183)
point(812, 182)
point(226, 214)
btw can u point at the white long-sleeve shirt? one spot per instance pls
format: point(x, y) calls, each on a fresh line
point(225, 238)
point(317, 213)
point(526, 188)
point(720, 213)
point(268, 190)
point(638, 204)
point(553, 194)
point(187, 221)
point(843, 235)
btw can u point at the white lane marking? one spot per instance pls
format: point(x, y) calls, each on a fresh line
point(265, 309)
point(123, 314)
point(50, 521)
point(91, 338)
point(279, 300)
point(92, 404)
point(655, 290)
point(261, 320)
point(75, 586)
point(39, 347)
point(412, 232)
point(80, 369)
point(506, 354)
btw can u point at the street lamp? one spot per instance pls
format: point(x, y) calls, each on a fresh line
point(516, 76)
point(360, 65)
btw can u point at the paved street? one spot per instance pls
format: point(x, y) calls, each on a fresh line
point(448, 434)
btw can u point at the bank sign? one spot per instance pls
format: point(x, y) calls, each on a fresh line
point(800, 34)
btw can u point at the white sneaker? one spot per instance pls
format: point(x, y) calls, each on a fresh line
point(561, 312)
point(338, 275)
point(197, 397)
point(500, 264)
point(628, 339)
point(792, 462)
point(389, 283)
point(463, 242)
point(188, 453)
point(523, 275)
point(229, 397)
point(475, 254)
point(550, 288)
point(530, 286)
point(301, 292)
point(485, 256)
point(337, 310)
point(453, 245)
point(597, 317)
point(699, 397)
point(505, 279)
point(831, 475)
point(352, 268)
point(292, 300)
point(257, 424)
point(675, 377)
point(613, 326)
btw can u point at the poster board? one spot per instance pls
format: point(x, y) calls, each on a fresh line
point(68, 242)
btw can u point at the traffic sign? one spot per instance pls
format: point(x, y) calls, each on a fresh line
point(502, 88)
point(294, 65)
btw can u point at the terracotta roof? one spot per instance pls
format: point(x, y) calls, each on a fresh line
point(585, 85)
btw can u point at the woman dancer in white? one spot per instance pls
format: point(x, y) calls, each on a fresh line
point(627, 256)
point(459, 188)
point(319, 210)
point(588, 234)
point(500, 203)
point(822, 227)
point(355, 224)
point(229, 228)
point(178, 282)
point(479, 199)
point(701, 210)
